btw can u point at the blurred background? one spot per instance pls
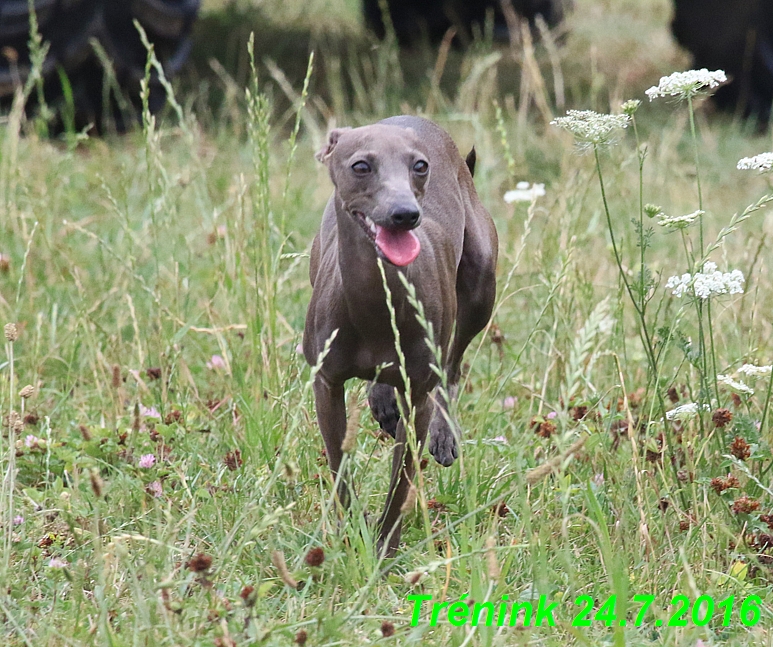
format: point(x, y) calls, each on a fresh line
point(376, 56)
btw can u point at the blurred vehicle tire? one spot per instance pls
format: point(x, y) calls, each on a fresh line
point(735, 36)
point(71, 27)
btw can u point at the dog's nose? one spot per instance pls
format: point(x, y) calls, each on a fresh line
point(406, 218)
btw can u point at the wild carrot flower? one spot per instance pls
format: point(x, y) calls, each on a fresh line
point(762, 162)
point(738, 387)
point(750, 370)
point(685, 411)
point(591, 128)
point(525, 192)
point(630, 106)
point(147, 461)
point(680, 222)
point(686, 84)
point(708, 283)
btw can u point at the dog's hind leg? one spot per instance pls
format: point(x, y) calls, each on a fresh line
point(403, 471)
point(383, 405)
point(331, 414)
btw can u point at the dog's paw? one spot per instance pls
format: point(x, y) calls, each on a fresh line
point(442, 441)
point(383, 405)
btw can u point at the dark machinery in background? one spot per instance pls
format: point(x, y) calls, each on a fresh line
point(70, 27)
point(733, 35)
point(415, 21)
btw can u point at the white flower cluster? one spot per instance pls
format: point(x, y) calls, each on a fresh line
point(525, 192)
point(708, 283)
point(685, 411)
point(630, 106)
point(738, 387)
point(686, 84)
point(761, 162)
point(591, 128)
point(750, 370)
point(681, 222)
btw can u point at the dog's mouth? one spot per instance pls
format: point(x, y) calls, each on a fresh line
point(399, 246)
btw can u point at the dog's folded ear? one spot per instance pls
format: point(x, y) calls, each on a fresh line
point(324, 153)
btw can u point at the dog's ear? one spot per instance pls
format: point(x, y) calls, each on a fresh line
point(470, 160)
point(324, 153)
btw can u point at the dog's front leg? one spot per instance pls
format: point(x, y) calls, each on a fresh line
point(331, 416)
point(403, 471)
point(443, 430)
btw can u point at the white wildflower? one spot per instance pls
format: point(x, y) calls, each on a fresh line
point(738, 387)
point(750, 370)
point(630, 106)
point(591, 128)
point(679, 284)
point(686, 84)
point(708, 283)
point(761, 162)
point(685, 411)
point(525, 192)
point(680, 222)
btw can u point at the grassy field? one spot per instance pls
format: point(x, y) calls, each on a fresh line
point(169, 455)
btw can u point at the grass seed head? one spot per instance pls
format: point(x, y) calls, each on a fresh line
point(116, 376)
point(96, 483)
point(11, 332)
point(278, 559)
point(492, 566)
point(410, 500)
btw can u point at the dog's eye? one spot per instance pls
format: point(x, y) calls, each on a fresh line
point(361, 168)
point(421, 167)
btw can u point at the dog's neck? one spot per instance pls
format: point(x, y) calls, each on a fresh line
point(360, 276)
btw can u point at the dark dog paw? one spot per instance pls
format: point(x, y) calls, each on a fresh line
point(442, 441)
point(383, 405)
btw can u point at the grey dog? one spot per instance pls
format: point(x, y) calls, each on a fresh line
point(403, 194)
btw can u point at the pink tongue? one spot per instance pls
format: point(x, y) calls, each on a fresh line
point(400, 247)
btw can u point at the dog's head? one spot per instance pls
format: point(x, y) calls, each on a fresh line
point(380, 173)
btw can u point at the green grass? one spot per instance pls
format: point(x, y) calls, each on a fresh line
point(182, 248)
